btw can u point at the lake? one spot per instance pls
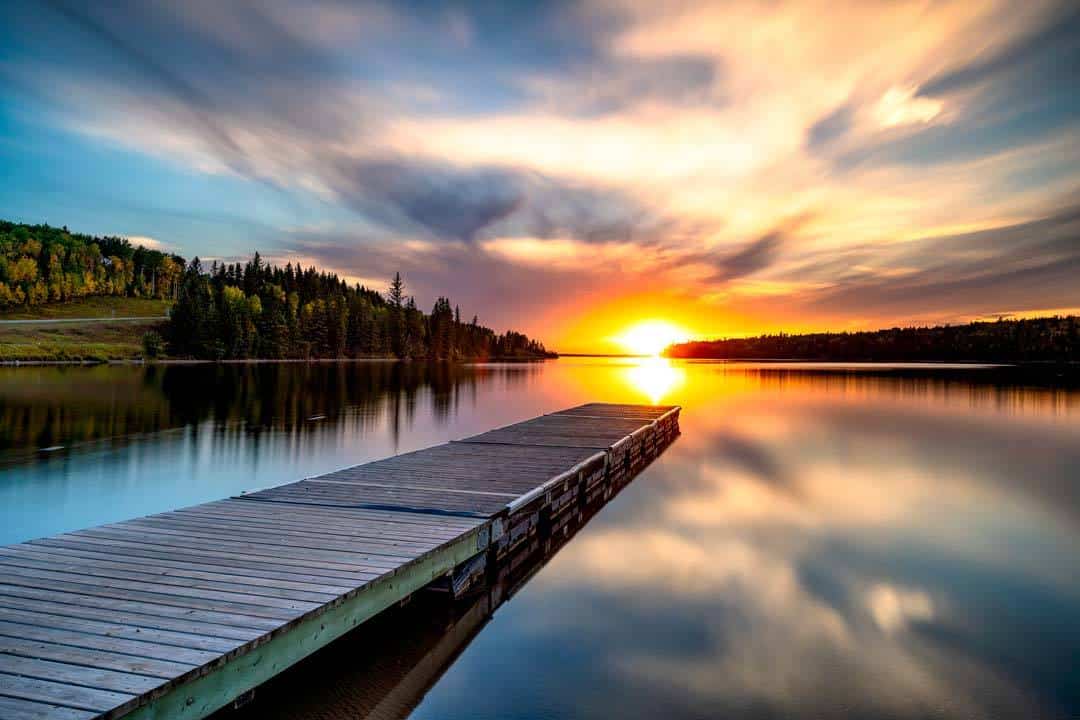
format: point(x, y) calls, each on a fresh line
point(822, 541)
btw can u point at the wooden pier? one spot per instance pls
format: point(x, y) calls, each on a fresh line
point(179, 614)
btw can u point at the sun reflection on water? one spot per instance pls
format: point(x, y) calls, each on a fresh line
point(655, 378)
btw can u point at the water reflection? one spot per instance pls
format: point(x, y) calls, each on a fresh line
point(817, 544)
point(42, 407)
point(81, 446)
point(416, 642)
point(822, 541)
point(656, 378)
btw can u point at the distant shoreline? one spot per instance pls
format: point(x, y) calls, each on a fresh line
point(264, 361)
point(604, 355)
point(841, 364)
point(1053, 339)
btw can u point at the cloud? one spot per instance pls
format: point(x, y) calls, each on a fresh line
point(829, 128)
point(192, 101)
point(447, 202)
point(792, 562)
point(894, 609)
point(616, 84)
point(309, 126)
point(657, 144)
point(1025, 265)
point(1036, 51)
point(481, 201)
point(149, 243)
point(755, 256)
point(900, 106)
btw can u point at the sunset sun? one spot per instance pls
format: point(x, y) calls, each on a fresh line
point(650, 337)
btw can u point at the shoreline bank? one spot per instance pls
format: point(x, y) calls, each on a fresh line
point(259, 361)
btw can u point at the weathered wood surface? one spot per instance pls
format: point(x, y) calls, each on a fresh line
point(176, 614)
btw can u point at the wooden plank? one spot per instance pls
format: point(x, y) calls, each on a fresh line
point(372, 545)
point(19, 709)
point(361, 530)
point(351, 520)
point(613, 426)
point(454, 477)
point(433, 503)
point(240, 552)
point(292, 537)
point(210, 555)
point(258, 605)
point(209, 560)
point(459, 454)
point(78, 675)
point(120, 629)
point(54, 693)
point(150, 657)
point(137, 614)
point(513, 438)
point(420, 521)
point(618, 410)
point(473, 465)
point(293, 499)
point(101, 570)
point(41, 650)
point(239, 614)
point(404, 500)
point(424, 488)
point(62, 556)
point(347, 515)
point(253, 543)
point(507, 484)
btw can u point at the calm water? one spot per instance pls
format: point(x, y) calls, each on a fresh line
point(820, 541)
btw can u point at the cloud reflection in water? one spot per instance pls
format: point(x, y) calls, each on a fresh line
point(816, 546)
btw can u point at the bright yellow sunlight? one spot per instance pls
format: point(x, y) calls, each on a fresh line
point(655, 378)
point(650, 337)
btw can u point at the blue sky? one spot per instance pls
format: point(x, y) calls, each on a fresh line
point(565, 167)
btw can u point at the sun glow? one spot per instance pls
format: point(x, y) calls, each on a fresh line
point(650, 337)
point(655, 378)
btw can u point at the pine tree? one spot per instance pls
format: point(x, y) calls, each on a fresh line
point(322, 316)
point(396, 330)
point(396, 294)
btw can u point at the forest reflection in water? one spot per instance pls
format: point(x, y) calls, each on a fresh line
point(43, 406)
point(822, 541)
point(82, 446)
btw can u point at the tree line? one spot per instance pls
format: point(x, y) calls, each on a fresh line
point(42, 264)
point(1048, 339)
point(259, 310)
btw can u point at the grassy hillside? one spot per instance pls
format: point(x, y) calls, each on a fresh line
point(95, 341)
point(102, 338)
point(91, 307)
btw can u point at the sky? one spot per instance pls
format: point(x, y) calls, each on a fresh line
point(569, 169)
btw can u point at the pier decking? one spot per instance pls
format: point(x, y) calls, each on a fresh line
point(178, 614)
